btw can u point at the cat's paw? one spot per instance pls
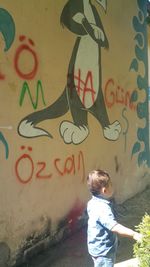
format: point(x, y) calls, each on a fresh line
point(72, 133)
point(112, 131)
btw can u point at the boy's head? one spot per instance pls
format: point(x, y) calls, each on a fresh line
point(99, 182)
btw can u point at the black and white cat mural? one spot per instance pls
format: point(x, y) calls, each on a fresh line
point(83, 90)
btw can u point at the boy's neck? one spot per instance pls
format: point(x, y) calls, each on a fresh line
point(104, 197)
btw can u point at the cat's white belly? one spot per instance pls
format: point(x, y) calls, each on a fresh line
point(86, 71)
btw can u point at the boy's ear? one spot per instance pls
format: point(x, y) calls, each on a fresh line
point(103, 190)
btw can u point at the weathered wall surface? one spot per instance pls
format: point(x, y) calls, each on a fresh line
point(148, 30)
point(73, 98)
point(149, 55)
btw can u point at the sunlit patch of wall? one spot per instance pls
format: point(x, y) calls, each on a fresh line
point(73, 98)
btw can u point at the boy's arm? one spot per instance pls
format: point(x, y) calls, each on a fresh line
point(124, 231)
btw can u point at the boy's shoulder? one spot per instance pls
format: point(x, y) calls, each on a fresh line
point(99, 208)
point(98, 201)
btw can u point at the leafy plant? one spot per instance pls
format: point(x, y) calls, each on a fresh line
point(142, 249)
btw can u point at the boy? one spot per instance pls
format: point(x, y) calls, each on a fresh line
point(102, 225)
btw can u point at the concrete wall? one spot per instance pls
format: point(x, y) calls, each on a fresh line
point(148, 30)
point(93, 66)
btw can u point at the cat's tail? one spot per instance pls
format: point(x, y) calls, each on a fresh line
point(28, 129)
point(27, 126)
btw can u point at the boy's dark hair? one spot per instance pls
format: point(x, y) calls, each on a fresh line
point(96, 180)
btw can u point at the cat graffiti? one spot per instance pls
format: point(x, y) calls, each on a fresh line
point(83, 90)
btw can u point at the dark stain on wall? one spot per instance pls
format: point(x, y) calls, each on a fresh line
point(4, 254)
point(116, 164)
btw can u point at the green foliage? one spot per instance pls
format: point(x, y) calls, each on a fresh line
point(142, 249)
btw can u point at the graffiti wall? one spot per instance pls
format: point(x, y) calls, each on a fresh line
point(73, 94)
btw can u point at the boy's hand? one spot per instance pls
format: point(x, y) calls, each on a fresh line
point(138, 237)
